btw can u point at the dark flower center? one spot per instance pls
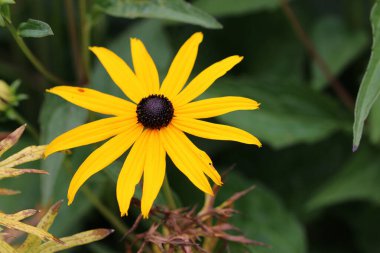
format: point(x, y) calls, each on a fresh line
point(155, 111)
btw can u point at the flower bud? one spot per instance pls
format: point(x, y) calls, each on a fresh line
point(7, 97)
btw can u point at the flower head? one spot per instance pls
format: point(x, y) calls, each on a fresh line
point(153, 123)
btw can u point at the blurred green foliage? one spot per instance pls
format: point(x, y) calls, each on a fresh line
point(313, 194)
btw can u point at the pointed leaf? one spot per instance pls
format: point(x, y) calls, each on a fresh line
point(75, 240)
point(6, 248)
point(10, 172)
point(11, 139)
point(13, 224)
point(47, 220)
point(28, 154)
point(22, 214)
point(370, 86)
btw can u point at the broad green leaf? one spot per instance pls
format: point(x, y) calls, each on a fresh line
point(358, 180)
point(34, 29)
point(338, 46)
point(174, 10)
point(235, 7)
point(263, 217)
point(288, 114)
point(57, 116)
point(370, 86)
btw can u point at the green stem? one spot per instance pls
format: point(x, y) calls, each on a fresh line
point(85, 36)
point(169, 194)
point(13, 114)
point(115, 221)
point(32, 58)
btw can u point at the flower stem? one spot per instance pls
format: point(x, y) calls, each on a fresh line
point(115, 221)
point(14, 115)
point(169, 194)
point(32, 58)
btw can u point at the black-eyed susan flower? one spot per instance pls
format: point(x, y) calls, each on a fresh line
point(152, 123)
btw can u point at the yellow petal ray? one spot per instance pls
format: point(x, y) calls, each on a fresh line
point(102, 157)
point(131, 173)
point(181, 66)
point(214, 131)
point(120, 73)
point(90, 133)
point(212, 107)
point(205, 79)
point(145, 68)
point(182, 154)
point(94, 100)
point(209, 168)
point(154, 171)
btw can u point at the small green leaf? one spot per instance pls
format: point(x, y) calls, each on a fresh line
point(34, 29)
point(233, 7)
point(370, 87)
point(5, 14)
point(7, 2)
point(174, 10)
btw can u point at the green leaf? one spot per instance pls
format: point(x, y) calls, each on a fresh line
point(34, 29)
point(370, 86)
point(174, 10)
point(57, 116)
point(374, 123)
point(5, 13)
point(235, 7)
point(358, 180)
point(338, 46)
point(288, 114)
point(263, 217)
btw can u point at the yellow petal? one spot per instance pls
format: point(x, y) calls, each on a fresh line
point(90, 133)
point(131, 173)
point(181, 66)
point(102, 157)
point(214, 131)
point(120, 73)
point(183, 155)
point(205, 79)
point(94, 100)
point(145, 68)
point(154, 171)
point(212, 107)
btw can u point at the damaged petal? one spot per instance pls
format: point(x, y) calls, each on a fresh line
point(11, 139)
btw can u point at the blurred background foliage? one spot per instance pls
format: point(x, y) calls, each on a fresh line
point(304, 62)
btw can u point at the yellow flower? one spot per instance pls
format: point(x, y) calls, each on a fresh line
point(153, 123)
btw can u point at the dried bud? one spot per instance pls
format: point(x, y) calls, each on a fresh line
point(7, 97)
